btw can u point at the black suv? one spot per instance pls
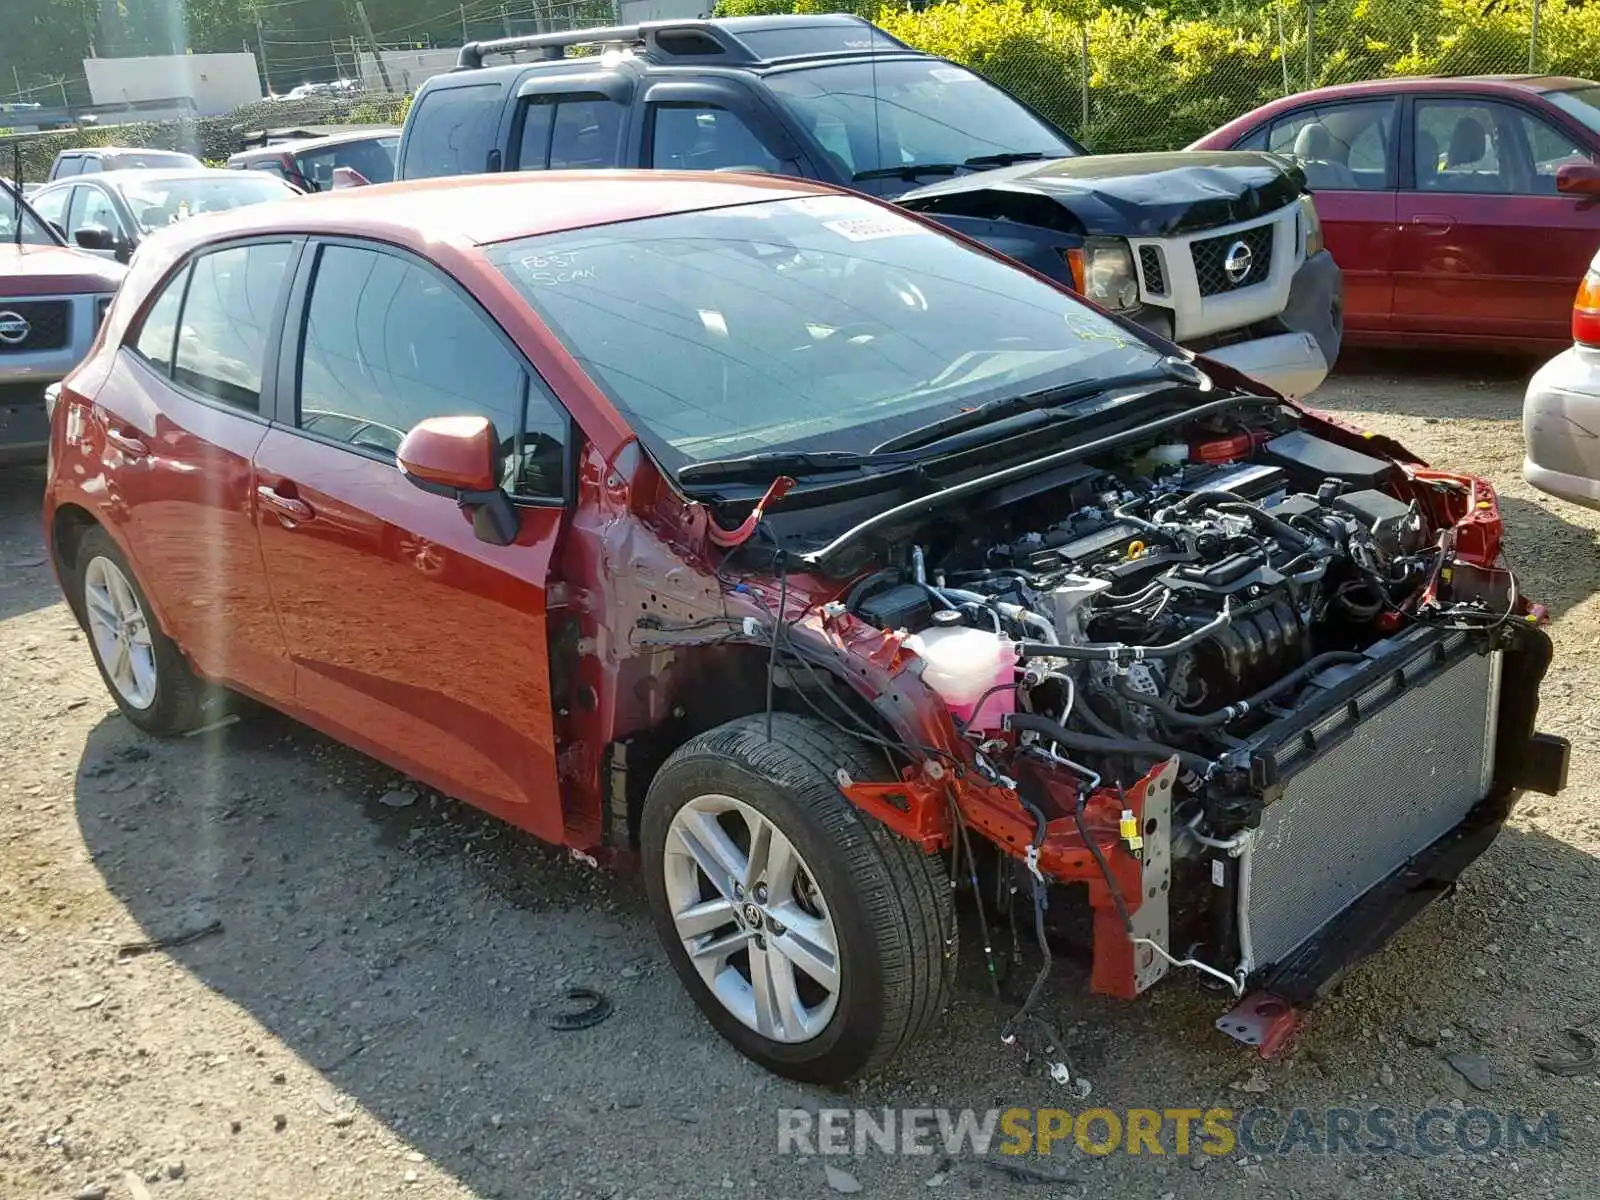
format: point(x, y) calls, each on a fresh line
point(1219, 251)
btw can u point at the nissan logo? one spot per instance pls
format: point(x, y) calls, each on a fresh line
point(1236, 263)
point(13, 328)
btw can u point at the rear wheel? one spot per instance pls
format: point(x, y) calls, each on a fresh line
point(813, 938)
point(142, 668)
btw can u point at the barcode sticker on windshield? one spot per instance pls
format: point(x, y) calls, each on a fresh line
point(868, 229)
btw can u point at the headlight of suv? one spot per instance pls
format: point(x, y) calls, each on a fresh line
point(1103, 271)
point(1312, 224)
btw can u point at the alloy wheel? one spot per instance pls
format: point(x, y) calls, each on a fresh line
point(121, 632)
point(752, 918)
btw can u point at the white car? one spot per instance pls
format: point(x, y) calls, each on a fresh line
point(1561, 413)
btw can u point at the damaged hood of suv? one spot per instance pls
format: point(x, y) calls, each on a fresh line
point(1135, 195)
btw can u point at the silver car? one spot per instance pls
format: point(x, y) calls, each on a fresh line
point(1561, 413)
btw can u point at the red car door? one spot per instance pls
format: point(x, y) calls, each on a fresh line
point(1488, 250)
point(411, 638)
point(180, 417)
point(1348, 152)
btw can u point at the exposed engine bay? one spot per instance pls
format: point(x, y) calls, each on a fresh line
point(1252, 625)
point(1250, 688)
point(1182, 596)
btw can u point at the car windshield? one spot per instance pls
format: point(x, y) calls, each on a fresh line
point(809, 323)
point(34, 231)
point(1580, 102)
point(158, 202)
point(901, 112)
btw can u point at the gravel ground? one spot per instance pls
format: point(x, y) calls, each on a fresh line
point(370, 1019)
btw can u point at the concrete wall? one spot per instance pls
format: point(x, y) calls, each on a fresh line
point(407, 68)
point(631, 12)
point(215, 82)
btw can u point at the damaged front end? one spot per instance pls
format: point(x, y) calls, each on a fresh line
point(1261, 686)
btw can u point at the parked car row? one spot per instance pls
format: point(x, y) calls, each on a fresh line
point(798, 545)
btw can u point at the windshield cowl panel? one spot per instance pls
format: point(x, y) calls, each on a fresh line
point(819, 324)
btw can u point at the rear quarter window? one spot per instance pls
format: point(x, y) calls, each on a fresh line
point(450, 131)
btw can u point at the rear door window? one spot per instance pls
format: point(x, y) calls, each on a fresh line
point(160, 326)
point(227, 314)
point(584, 133)
point(451, 131)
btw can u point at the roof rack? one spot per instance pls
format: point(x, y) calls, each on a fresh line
point(669, 38)
point(702, 39)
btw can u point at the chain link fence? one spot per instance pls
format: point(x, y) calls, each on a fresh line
point(1122, 79)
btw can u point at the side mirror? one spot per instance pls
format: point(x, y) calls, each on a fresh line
point(1578, 179)
point(93, 237)
point(459, 457)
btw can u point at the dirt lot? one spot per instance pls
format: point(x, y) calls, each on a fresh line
point(370, 1018)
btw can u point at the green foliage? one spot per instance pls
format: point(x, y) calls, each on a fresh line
point(1160, 77)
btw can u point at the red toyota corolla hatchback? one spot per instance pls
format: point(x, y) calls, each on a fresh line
point(792, 544)
point(1461, 211)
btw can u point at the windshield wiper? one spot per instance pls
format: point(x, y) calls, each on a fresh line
point(1168, 370)
point(1008, 159)
point(761, 466)
point(909, 171)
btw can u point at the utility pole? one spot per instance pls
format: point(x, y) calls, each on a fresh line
point(1311, 41)
point(505, 21)
point(261, 44)
point(17, 79)
point(464, 38)
point(1283, 51)
point(366, 28)
point(1533, 41)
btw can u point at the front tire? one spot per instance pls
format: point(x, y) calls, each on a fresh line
point(811, 937)
point(142, 667)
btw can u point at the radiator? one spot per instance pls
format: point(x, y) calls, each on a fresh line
point(1407, 773)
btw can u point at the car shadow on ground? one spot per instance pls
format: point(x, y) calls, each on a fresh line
point(25, 580)
point(1557, 560)
point(411, 955)
point(1475, 386)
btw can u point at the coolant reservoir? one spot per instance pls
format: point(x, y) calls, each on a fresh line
point(961, 664)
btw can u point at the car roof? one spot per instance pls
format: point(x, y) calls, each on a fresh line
point(1429, 83)
point(122, 178)
point(481, 209)
point(299, 145)
point(123, 150)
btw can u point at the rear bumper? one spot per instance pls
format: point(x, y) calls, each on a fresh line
point(1291, 364)
point(1561, 427)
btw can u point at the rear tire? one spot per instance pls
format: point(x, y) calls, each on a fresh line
point(142, 667)
point(853, 945)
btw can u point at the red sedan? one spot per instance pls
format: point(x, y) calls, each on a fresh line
point(1462, 211)
point(709, 522)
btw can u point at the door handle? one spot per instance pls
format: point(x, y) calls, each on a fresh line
point(290, 508)
point(1437, 222)
point(127, 443)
